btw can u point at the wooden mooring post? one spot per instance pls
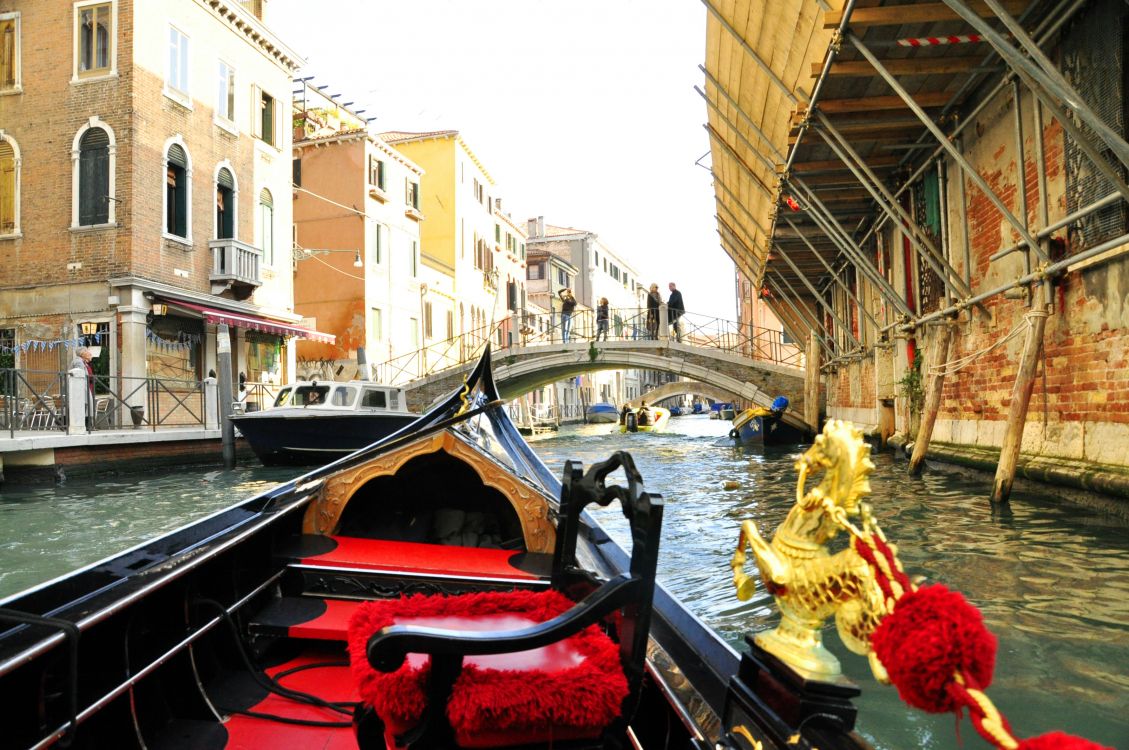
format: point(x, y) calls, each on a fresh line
point(934, 386)
point(811, 384)
point(1020, 400)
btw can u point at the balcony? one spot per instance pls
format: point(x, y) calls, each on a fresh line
point(235, 266)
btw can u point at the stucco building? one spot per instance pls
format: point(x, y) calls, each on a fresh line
point(145, 187)
point(356, 240)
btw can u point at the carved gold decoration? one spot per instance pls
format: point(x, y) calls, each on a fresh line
point(810, 583)
point(532, 508)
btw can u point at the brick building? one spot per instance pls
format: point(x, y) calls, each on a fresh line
point(145, 192)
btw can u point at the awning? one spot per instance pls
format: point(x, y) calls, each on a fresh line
point(254, 323)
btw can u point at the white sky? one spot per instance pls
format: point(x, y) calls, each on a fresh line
point(583, 111)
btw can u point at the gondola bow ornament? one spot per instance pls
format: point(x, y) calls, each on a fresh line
point(929, 642)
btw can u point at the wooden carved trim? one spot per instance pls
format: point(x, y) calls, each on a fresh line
point(532, 509)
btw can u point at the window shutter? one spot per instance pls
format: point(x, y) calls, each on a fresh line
point(94, 177)
point(177, 156)
point(256, 111)
point(225, 180)
point(7, 188)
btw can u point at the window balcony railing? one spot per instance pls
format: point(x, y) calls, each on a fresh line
point(235, 263)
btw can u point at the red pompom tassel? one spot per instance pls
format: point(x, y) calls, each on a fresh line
point(932, 633)
point(1059, 741)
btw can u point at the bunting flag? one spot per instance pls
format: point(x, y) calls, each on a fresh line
point(184, 342)
point(37, 345)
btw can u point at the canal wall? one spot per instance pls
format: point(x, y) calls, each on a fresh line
point(1077, 425)
point(55, 458)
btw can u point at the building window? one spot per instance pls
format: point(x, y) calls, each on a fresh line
point(9, 51)
point(534, 271)
point(378, 232)
point(562, 277)
point(178, 61)
point(411, 196)
point(498, 234)
point(296, 172)
point(225, 204)
point(450, 325)
point(266, 226)
point(9, 186)
point(94, 178)
point(94, 35)
point(263, 116)
point(225, 92)
point(376, 172)
point(414, 259)
point(413, 333)
point(427, 332)
point(377, 323)
point(176, 191)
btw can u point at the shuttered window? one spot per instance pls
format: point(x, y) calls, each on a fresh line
point(266, 226)
point(9, 51)
point(8, 189)
point(176, 192)
point(94, 178)
point(225, 205)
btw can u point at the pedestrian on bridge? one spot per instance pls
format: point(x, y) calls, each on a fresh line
point(568, 304)
point(654, 299)
point(602, 319)
point(675, 309)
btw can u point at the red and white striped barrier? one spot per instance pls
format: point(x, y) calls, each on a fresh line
point(933, 41)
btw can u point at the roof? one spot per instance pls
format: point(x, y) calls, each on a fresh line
point(355, 135)
point(397, 137)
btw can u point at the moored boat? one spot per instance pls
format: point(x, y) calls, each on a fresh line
point(601, 413)
point(316, 422)
point(765, 426)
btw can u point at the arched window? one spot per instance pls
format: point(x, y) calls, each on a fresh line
point(94, 178)
point(9, 187)
point(266, 226)
point(225, 204)
point(176, 191)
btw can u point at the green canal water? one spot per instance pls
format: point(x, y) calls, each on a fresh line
point(1052, 580)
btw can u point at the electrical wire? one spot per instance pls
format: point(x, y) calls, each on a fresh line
point(329, 265)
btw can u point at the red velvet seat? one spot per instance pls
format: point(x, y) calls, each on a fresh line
point(567, 690)
point(529, 668)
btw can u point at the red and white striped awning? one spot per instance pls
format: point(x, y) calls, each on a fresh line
point(254, 323)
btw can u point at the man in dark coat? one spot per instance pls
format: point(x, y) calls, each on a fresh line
point(675, 308)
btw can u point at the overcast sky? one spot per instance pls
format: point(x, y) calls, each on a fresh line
point(583, 111)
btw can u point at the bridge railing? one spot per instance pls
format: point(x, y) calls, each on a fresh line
point(529, 329)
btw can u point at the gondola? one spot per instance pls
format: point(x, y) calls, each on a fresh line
point(300, 618)
point(765, 427)
point(644, 419)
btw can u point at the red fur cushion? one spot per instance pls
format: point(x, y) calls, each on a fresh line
point(494, 706)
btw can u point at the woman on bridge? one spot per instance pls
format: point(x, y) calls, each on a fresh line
point(653, 302)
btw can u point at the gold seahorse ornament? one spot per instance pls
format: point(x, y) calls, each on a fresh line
point(810, 583)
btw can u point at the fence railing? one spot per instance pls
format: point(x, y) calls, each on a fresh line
point(526, 329)
point(44, 401)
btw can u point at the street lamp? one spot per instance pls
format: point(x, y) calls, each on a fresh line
point(302, 253)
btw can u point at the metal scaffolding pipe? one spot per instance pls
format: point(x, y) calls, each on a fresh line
point(943, 140)
point(1021, 167)
point(834, 276)
point(811, 313)
point(828, 60)
point(813, 327)
point(752, 53)
point(924, 246)
point(819, 297)
point(1037, 275)
point(1064, 221)
point(1041, 69)
point(733, 103)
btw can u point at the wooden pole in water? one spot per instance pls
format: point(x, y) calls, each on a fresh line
point(1020, 399)
point(932, 405)
point(811, 383)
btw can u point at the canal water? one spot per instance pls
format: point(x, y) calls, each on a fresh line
point(1052, 580)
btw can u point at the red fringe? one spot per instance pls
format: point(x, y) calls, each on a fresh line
point(529, 703)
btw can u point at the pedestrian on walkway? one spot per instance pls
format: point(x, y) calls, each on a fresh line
point(602, 319)
point(654, 299)
point(675, 309)
point(568, 304)
point(81, 361)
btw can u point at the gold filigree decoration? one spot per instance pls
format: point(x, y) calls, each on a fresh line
point(810, 583)
point(530, 505)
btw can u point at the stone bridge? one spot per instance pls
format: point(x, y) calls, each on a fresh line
point(656, 396)
point(520, 370)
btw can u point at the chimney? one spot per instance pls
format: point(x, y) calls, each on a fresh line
point(540, 226)
point(531, 228)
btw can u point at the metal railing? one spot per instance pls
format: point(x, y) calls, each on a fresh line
point(526, 329)
point(39, 401)
point(236, 261)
